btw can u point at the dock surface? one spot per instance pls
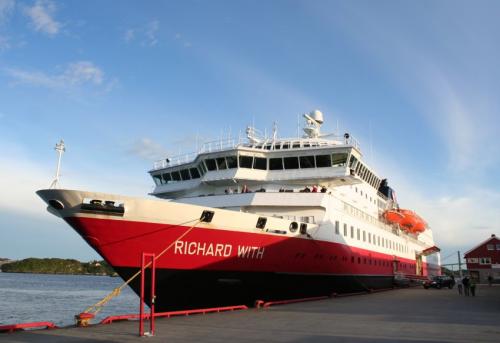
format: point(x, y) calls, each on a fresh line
point(402, 315)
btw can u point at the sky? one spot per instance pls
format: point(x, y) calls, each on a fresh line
point(125, 84)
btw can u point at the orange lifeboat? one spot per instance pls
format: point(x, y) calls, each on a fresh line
point(393, 216)
point(408, 220)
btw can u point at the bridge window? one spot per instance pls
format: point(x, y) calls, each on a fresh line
point(306, 161)
point(352, 162)
point(166, 177)
point(276, 164)
point(221, 163)
point(323, 161)
point(232, 162)
point(296, 145)
point(291, 162)
point(339, 160)
point(185, 174)
point(277, 146)
point(260, 163)
point(286, 145)
point(195, 174)
point(211, 164)
point(246, 162)
point(202, 168)
point(157, 179)
point(176, 176)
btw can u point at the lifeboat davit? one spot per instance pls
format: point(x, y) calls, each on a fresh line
point(407, 220)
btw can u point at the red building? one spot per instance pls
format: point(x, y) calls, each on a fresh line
point(484, 260)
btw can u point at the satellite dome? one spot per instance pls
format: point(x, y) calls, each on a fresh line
point(317, 116)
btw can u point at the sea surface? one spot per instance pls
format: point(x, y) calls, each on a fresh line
point(57, 298)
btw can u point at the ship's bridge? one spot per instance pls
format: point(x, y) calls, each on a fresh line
point(302, 161)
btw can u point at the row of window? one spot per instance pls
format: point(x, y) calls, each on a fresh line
point(287, 145)
point(370, 238)
point(492, 246)
point(369, 261)
point(253, 162)
point(480, 260)
point(363, 172)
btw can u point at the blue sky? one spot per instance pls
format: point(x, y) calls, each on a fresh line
point(125, 84)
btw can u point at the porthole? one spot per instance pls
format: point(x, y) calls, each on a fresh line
point(293, 226)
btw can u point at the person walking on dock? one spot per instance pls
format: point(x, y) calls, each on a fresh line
point(460, 286)
point(473, 287)
point(465, 282)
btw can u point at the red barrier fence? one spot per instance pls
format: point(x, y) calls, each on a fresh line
point(21, 326)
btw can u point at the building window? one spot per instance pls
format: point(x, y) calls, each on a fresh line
point(337, 224)
point(485, 260)
point(490, 247)
point(498, 246)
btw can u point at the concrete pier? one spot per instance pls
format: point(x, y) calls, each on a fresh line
point(403, 315)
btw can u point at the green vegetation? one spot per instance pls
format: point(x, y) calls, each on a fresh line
point(57, 266)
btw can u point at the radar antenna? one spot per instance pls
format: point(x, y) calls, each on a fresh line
point(314, 120)
point(60, 148)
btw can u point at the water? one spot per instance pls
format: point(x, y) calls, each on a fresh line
point(57, 298)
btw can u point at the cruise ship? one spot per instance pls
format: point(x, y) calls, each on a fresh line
point(257, 218)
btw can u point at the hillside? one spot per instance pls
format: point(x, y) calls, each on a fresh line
point(57, 266)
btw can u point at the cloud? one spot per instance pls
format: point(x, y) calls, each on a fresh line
point(147, 35)
point(147, 149)
point(42, 17)
point(6, 9)
point(75, 75)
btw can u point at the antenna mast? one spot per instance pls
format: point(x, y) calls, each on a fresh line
point(60, 148)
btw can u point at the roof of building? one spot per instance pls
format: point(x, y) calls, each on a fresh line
point(493, 236)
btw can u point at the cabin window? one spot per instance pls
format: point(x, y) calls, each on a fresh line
point(352, 231)
point(157, 179)
point(345, 230)
point(339, 160)
point(260, 163)
point(176, 176)
point(232, 162)
point(221, 163)
point(246, 162)
point(167, 177)
point(323, 161)
point(358, 234)
point(276, 164)
point(364, 236)
point(267, 147)
point(286, 146)
point(306, 161)
point(306, 145)
point(211, 164)
point(296, 145)
point(337, 229)
point(291, 162)
point(195, 174)
point(369, 237)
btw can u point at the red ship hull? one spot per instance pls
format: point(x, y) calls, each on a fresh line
point(223, 267)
